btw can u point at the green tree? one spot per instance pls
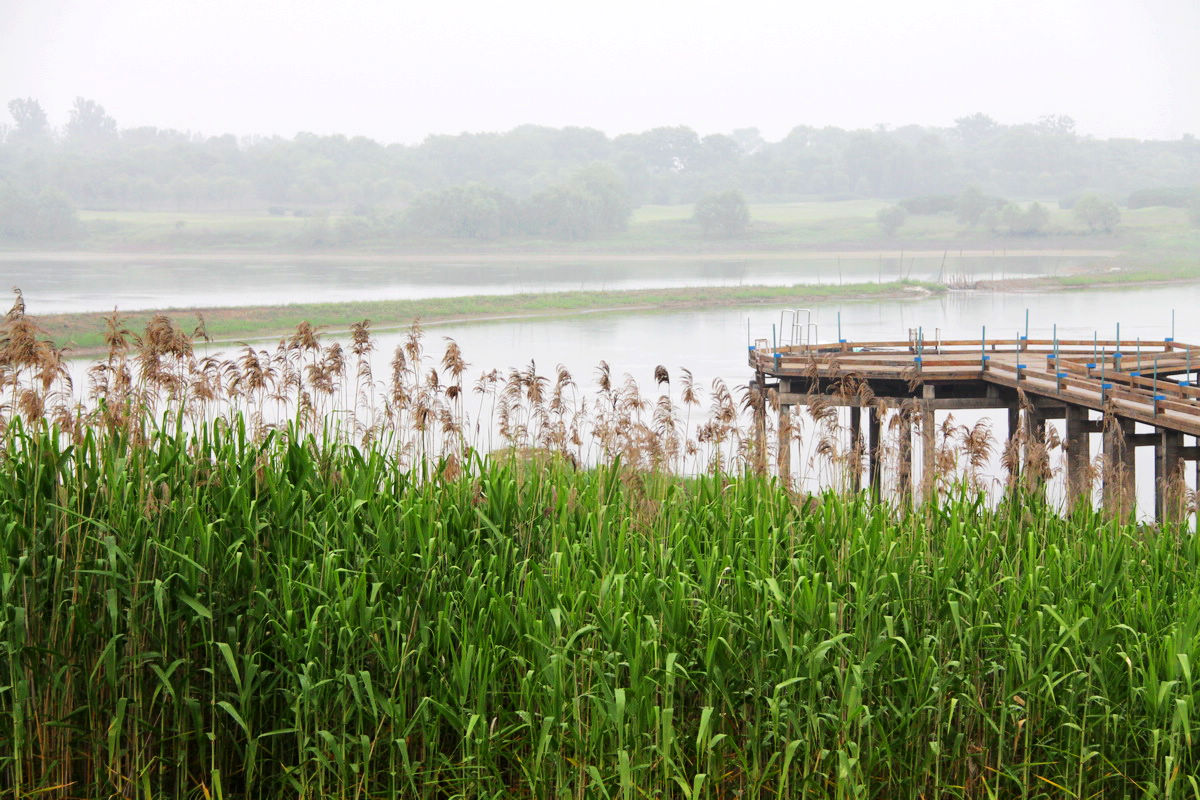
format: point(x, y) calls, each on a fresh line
point(891, 218)
point(90, 125)
point(43, 216)
point(464, 212)
point(594, 201)
point(31, 123)
point(1025, 222)
point(722, 214)
point(1098, 213)
point(972, 203)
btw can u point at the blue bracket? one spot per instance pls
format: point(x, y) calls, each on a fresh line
point(1106, 386)
point(1062, 374)
point(1185, 383)
point(1136, 374)
point(1091, 365)
point(750, 348)
point(1020, 366)
point(1158, 397)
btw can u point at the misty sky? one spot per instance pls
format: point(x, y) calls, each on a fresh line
point(397, 71)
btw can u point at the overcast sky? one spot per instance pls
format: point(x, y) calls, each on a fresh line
point(400, 70)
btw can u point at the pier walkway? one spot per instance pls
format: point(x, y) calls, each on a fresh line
point(1097, 386)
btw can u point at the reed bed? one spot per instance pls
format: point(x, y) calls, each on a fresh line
point(200, 600)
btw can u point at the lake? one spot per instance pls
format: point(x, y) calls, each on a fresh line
point(66, 282)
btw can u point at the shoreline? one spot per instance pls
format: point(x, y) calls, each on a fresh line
point(82, 332)
point(546, 256)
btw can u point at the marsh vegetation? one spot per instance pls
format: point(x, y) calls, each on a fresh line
point(277, 573)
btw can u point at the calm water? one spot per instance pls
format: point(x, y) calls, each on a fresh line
point(712, 343)
point(129, 282)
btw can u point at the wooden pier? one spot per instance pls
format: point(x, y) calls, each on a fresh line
point(1103, 387)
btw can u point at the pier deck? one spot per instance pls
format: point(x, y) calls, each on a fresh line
point(1121, 383)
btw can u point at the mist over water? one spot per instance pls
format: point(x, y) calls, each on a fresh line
point(132, 283)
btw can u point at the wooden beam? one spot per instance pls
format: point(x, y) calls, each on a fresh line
point(856, 449)
point(1079, 456)
point(940, 404)
point(784, 457)
point(874, 473)
point(928, 451)
point(1119, 469)
point(904, 471)
point(1170, 490)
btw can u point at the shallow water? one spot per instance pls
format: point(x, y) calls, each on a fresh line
point(133, 282)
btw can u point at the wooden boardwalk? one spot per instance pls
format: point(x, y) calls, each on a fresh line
point(1097, 386)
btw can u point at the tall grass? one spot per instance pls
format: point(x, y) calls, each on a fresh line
point(274, 575)
point(207, 614)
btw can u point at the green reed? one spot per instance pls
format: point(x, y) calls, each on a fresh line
point(210, 614)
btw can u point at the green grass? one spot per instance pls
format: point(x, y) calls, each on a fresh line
point(83, 332)
point(222, 616)
point(653, 228)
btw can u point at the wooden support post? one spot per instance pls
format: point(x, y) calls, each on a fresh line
point(856, 449)
point(1036, 463)
point(1079, 456)
point(760, 427)
point(875, 451)
point(904, 473)
point(785, 445)
point(1014, 443)
point(1169, 486)
point(928, 452)
point(1119, 471)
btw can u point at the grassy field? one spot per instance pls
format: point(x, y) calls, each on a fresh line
point(775, 226)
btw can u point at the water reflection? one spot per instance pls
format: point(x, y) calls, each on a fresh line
point(131, 283)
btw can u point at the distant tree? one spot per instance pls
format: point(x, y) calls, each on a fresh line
point(1169, 196)
point(891, 218)
point(45, 216)
point(930, 204)
point(722, 214)
point(90, 125)
point(464, 212)
point(1025, 222)
point(560, 212)
point(976, 127)
point(971, 205)
point(749, 140)
point(608, 197)
point(1098, 213)
point(592, 202)
point(31, 123)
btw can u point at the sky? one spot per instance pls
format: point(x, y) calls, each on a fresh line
point(402, 70)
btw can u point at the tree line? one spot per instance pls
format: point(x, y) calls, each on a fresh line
point(562, 182)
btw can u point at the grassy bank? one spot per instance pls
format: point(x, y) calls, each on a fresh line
point(224, 617)
point(84, 332)
point(786, 226)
